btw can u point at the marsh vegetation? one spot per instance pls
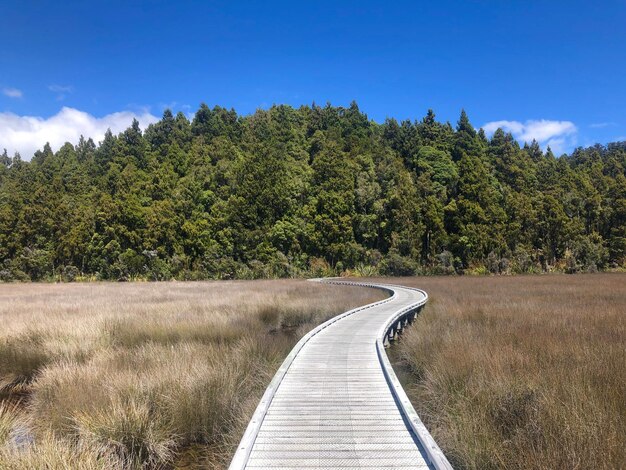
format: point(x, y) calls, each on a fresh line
point(507, 372)
point(145, 375)
point(521, 372)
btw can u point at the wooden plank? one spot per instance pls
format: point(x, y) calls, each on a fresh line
point(331, 404)
point(353, 462)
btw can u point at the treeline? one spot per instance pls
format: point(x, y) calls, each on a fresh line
point(308, 191)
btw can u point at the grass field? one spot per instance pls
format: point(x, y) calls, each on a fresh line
point(156, 375)
point(507, 372)
point(521, 372)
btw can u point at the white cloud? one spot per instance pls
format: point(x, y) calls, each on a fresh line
point(171, 105)
point(26, 134)
point(558, 135)
point(514, 127)
point(600, 125)
point(61, 90)
point(12, 92)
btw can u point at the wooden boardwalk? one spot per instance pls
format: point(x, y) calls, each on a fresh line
point(336, 402)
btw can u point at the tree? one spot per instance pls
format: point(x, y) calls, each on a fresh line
point(284, 191)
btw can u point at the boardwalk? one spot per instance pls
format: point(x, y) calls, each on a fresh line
point(336, 403)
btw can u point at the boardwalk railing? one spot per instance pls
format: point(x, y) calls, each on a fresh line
point(242, 453)
point(388, 332)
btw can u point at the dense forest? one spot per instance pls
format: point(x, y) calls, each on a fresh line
point(308, 191)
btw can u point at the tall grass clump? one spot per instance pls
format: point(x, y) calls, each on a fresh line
point(8, 420)
point(21, 356)
point(129, 430)
point(137, 376)
point(521, 372)
point(51, 453)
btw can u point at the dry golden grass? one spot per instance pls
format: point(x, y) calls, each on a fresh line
point(160, 375)
point(521, 372)
point(507, 372)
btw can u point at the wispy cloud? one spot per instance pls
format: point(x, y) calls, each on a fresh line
point(171, 105)
point(175, 105)
point(61, 90)
point(26, 134)
point(12, 92)
point(560, 136)
point(600, 125)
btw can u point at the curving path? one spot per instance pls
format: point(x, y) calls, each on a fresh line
point(335, 402)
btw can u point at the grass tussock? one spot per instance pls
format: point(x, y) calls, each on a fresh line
point(145, 375)
point(21, 356)
point(52, 453)
point(522, 372)
point(9, 418)
point(129, 430)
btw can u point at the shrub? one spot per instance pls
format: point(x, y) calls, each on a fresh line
point(69, 273)
point(492, 263)
point(365, 270)
point(444, 263)
point(222, 267)
point(521, 260)
point(319, 267)
point(36, 263)
point(395, 264)
point(280, 266)
point(571, 263)
point(590, 252)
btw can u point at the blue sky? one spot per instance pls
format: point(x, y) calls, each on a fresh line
point(551, 69)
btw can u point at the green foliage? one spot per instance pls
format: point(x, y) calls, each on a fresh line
point(397, 265)
point(288, 192)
